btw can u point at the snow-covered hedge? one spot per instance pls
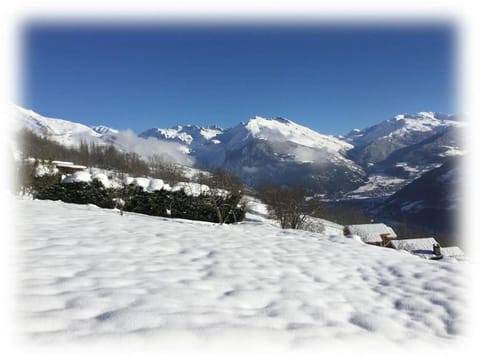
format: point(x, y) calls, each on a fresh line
point(142, 195)
point(225, 208)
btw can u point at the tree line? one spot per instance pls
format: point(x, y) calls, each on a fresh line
point(96, 155)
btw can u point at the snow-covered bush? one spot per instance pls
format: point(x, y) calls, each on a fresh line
point(179, 204)
point(81, 192)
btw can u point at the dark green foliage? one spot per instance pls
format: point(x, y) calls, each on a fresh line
point(205, 207)
point(213, 206)
point(49, 187)
point(137, 200)
point(180, 205)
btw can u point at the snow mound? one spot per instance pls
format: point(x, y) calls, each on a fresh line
point(191, 188)
point(103, 179)
point(157, 184)
point(78, 176)
point(142, 182)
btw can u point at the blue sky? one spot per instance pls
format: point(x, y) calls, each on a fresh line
point(331, 78)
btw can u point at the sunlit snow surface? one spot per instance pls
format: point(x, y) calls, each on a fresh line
point(89, 274)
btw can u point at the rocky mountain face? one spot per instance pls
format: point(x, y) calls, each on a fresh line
point(399, 150)
point(425, 155)
point(376, 143)
point(431, 201)
point(276, 151)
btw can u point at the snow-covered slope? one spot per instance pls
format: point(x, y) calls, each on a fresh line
point(89, 274)
point(398, 151)
point(70, 133)
point(283, 152)
point(403, 125)
point(62, 131)
point(277, 130)
point(102, 130)
point(265, 150)
point(283, 130)
point(431, 201)
point(377, 142)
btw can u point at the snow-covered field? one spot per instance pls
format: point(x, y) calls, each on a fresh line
point(377, 185)
point(89, 274)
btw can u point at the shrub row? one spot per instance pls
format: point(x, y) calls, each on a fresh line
point(205, 207)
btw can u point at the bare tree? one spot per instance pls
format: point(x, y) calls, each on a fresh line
point(25, 176)
point(222, 179)
point(161, 169)
point(287, 204)
point(225, 191)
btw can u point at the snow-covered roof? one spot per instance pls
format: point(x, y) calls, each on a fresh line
point(68, 164)
point(423, 247)
point(371, 232)
point(413, 244)
point(57, 162)
point(79, 167)
point(453, 251)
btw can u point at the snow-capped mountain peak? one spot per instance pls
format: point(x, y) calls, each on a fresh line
point(403, 126)
point(281, 129)
point(63, 131)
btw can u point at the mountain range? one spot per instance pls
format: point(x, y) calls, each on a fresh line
point(375, 161)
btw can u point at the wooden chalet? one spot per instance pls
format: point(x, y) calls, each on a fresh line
point(373, 234)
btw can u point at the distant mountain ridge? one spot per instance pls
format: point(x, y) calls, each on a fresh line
point(280, 151)
point(273, 150)
point(431, 201)
point(377, 142)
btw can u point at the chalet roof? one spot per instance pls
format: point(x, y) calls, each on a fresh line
point(80, 167)
point(415, 245)
point(371, 232)
point(57, 162)
point(453, 251)
point(67, 164)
